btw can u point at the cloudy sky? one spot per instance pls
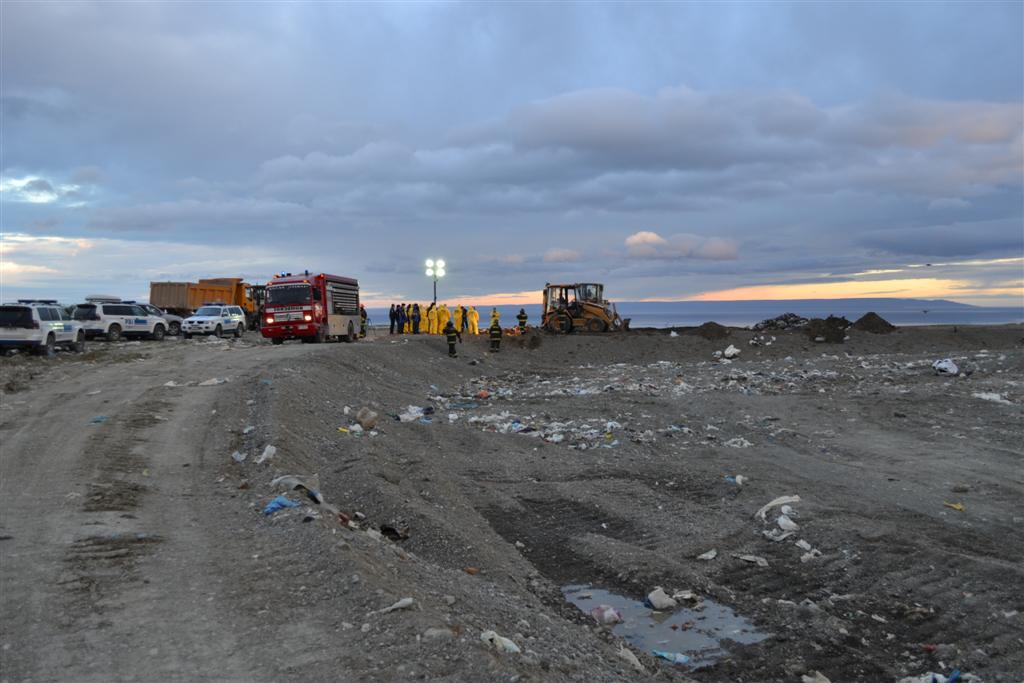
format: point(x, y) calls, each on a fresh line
point(672, 151)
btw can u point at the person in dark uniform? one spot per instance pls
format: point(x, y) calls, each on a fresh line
point(400, 318)
point(522, 320)
point(393, 318)
point(494, 332)
point(415, 318)
point(465, 320)
point(452, 336)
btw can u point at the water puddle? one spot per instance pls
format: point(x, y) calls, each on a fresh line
point(697, 633)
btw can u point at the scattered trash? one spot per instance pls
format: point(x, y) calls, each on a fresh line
point(212, 382)
point(776, 535)
point(248, 430)
point(738, 442)
point(738, 479)
point(343, 430)
point(808, 556)
point(786, 321)
point(238, 456)
point(673, 333)
point(411, 414)
point(781, 500)
point(802, 544)
point(674, 657)
point(814, 677)
point(709, 555)
point(946, 366)
point(606, 614)
point(93, 393)
point(290, 482)
point(367, 418)
point(787, 524)
point(627, 654)
point(959, 507)
point(267, 454)
point(279, 503)
point(425, 421)
point(483, 393)
point(438, 634)
point(99, 419)
point(171, 383)
point(355, 429)
point(995, 398)
point(404, 603)
point(731, 352)
point(472, 571)
point(754, 559)
point(395, 531)
point(659, 600)
point(499, 643)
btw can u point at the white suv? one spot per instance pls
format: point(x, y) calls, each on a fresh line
point(215, 319)
point(114, 321)
point(39, 325)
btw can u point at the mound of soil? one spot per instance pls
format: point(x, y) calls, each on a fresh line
point(786, 321)
point(832, 330)
point(710, 330)
point(874, 323)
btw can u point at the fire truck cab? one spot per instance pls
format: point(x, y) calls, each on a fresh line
point(312, 307)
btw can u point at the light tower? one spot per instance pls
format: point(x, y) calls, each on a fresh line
point(435, 269)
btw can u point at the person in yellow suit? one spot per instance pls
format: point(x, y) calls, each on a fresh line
point(495, 316)
point(458, 318)
point(473, 316)
point(443, 317)
point(408, 318)
point(432, 319)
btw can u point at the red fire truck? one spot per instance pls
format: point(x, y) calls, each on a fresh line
point(310, 307)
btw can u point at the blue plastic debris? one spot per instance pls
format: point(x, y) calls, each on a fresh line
point(279, 503)
point(99, 419)
point(674, 657)
point(425, 420)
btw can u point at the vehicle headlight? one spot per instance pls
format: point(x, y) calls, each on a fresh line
point(270, 319)
point(308, 318)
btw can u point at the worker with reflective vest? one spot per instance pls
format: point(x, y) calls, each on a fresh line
point(522, 320)
point(494, 332)
point(459, 311)
point(473, 318)
point(451, 336)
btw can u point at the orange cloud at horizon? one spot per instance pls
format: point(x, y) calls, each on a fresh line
point(910, 288)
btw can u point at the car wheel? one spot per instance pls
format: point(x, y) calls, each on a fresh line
point(174, 329)
point(238, 331)
point(187, 335)
point(218, 332)
point(277, 341)
point(47, 348)
point(114, 333)
point(158, 333)
point(79, 346)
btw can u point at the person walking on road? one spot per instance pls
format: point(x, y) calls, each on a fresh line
point(522, 318)
point(494, 332)
point(451, 336)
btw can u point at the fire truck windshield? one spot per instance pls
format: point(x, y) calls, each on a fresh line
point(288, 294)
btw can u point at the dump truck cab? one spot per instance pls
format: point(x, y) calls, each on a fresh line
point(579, 306)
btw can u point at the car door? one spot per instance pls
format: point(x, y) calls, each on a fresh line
point(144, 320)
point(67, 327)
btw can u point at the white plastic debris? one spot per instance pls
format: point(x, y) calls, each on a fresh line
point(404, 603)
point(411, 414)
point(238, 456)
point(808, 556)
point(802, 544)
point(995, 398)
point(731, 352)
point(355, 429)
point(776, 535)
point(93, 393)
point(248, 430)
point(787, 524)
point(611, 426)
point(267, 454)
point(753, 559)
point(212, 382)
point(673, 333)
point(606, 614)
point(815, 677)
point(660, 600)
point(781, 500)
point(171, 383)
point(627, 654)
point(946, 366)
point(499, 643)
point(789, 511)
point(738, 442)
point(709, 555)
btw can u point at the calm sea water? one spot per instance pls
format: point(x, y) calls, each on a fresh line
point(746, 313)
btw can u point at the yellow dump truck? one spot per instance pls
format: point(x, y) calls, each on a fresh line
point(182, 298)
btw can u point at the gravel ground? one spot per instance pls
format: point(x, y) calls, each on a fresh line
point(134, 547)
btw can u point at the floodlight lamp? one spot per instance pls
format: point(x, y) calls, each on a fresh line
point(440, 263)
point(430, 263)
point(430, 272)
point(440, 272)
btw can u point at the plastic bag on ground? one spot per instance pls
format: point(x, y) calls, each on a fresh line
point(279, 503)
point(267, 454)
point(731, 352)
point(674, 657)
point(499, 643)
point(781, 500)
point(606, 614)
point(946, 366)
point(658, 599)
point(404, 603)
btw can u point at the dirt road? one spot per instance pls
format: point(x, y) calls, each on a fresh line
point(135, 549)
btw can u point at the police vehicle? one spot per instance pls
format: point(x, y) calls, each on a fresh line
point(215, 319)
point(39, 325)
point(114, 320)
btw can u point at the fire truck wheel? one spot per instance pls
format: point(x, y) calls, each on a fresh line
point(277, 341)
point(321, 336)
point(351, 336)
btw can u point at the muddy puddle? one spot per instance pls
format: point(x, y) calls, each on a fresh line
point(698, 631)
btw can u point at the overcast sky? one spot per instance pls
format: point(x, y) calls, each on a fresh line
point(743, 150)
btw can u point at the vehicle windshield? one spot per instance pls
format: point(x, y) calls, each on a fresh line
point(84, 312)
point(590, 292)
point(288, 294)
point(15, 316)
point(209, 310)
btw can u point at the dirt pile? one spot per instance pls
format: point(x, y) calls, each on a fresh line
point(786, 321)
point(710, 330)
point(831, 330)
point(874, 323)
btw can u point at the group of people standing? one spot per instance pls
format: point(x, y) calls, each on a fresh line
point(439, 319)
